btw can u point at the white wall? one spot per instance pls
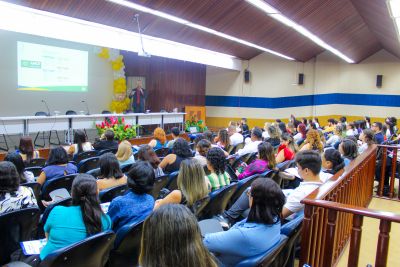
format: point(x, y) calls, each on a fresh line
point(14, 102)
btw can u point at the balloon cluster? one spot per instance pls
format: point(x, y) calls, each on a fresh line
point(120, 102)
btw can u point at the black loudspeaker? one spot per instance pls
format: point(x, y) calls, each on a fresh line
point(246, 76)
point(300, 80)
point(379, 80)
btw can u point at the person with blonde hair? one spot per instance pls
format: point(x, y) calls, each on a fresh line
point(124, 153)
point(192, 185)
point(265, 134)
point(313, 141)
point(160, 139)
point(171, 237)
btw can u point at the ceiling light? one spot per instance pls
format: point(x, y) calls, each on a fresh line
point(195, 26)
point(274, 13)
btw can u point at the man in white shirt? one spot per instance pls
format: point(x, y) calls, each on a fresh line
point(251, 147)
point(235, 137)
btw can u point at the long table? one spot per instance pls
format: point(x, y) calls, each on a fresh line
point(31, 124)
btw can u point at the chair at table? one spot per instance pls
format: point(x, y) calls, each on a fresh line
point(88, 164)
point(15, 227)
point(37, 162)
point(85, 155)
point(35, 170)
point(92, 251)
point(107, 195)
point(127, 246)
point(41, 134)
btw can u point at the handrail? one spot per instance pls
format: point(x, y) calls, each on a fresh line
point(383, 165)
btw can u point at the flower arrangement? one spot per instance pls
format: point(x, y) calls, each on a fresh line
point(193, 122)
point(122, 131)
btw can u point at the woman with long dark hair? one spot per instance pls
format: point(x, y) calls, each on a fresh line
point(80, 144)
point(16, 159)
point(67, 225)
point(147, 153)
point(110, 172)
point(26, 149)
point(222, 139)
point(348, 150)
point(332, 162)
point(180, 151)
point(216, 163)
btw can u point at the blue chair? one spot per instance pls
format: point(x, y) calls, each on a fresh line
point(109, 194)
point(242, 185)
point(57, 183)
point(172, 181)
point(127, 245)
point(94, 172)
point(37, 162)
point(271, 258)
point(85, 155)
point(88, 164)
point(125, 167)
point(284, 165)
point(292, 229)
point(159, 183)
point(37, 170)
point(162, 152)
point(92, 251)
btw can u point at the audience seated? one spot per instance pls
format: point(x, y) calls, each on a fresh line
point(26, 150)
point(12, 195)
point(252, 146)
point(222, 139)
point(216, 163)
point(316, 122)
point(175, 135)
point(146, 153)
point(377, 128)
point(180, 151)
point(331, 126)
point(80, 144)
point(367, 138)
point(57, 166)
point(265, 161)
point(286, 150)
point(137, 204)
point(67, 225)
point(332, 162)
point(171, 237)
point(202, 148)
point(313, 141)
point(274, 136)
point(367, 122)
point(106, 141)
point(235, 137)
point(110, 172)
point(265, 134)
point(350, 129)
point(192, 185)
point(160, 139)
point(348, 150)
point(124, 153)
point(301, 133)
point(335, 138)
point(258, 232)
point(16, 159)
point(282, 127)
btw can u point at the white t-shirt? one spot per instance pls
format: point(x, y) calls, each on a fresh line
point(265, 134)
point(293, 197)
point(236, 139)
point(297, 137)
point(249, 148)
point(85, 146)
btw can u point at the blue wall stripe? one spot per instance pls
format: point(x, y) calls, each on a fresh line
point(304, 100)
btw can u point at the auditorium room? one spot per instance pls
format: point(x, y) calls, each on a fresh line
point(155, 133)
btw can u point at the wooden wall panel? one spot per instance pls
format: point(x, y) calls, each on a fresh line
point(171, 83)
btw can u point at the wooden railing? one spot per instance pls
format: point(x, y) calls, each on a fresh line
point(387, 164)
point(327, 231)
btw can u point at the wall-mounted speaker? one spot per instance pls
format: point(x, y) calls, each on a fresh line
point(379, 81)
point(246, 76)
point(300, 80)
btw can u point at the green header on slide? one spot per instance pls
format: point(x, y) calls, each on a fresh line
point(31, 64)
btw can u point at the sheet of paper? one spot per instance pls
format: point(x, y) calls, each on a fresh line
point(33, 247)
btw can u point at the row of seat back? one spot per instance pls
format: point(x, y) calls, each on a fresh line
point(107, 195)
point(88, 164)
point(37, 162)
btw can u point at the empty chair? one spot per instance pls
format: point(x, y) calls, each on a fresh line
point(92, 251)
point(109, 194)
point(57, 183)
point(88, 164)
point(172, 181)
point(219, 199)
point(103, 151)
point(162, 152)
point(159, 183)
point(42, 134)
point(85, 155)
point(94, 172)
point(70, 112)
point(37, 162)
point(16, 226)
point(127, 246)
point(35, 170)
point(243, 185)
point(271, 258)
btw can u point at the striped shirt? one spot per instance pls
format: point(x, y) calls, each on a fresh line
point(218, 181)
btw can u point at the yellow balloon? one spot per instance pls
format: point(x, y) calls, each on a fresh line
point(104, 53)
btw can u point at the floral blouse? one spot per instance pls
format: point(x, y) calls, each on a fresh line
point(20, 199)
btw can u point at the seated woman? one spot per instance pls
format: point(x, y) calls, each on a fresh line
point(351, 130)
point(332, 162)
point(274, 136)
point(110, 172)
point(146, 153)
point(202, 148)
point(16, 159)
point(180, 151)
point(80, 144)
point(171, 237)
point(57, 166)
point(266, 161)
point(367, 138)
point(12, 195)
point(68, 225)
point(348, 150)
point(222, 139)
point(265, 134)
point(26, 150)
point(137, 204)
point(160, 139)
point(313, 142)
point(216, 163)
point(192, 185)
point(335, 138)
point(124, 153)
point(256, 234)
point(301, 134)
point(287, 149)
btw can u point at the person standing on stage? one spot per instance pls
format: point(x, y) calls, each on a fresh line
point(138, 97)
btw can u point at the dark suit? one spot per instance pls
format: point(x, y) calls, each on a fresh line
point(138, 100)
point(105, 144)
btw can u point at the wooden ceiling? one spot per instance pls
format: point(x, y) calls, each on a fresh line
point(357, 28)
